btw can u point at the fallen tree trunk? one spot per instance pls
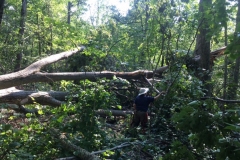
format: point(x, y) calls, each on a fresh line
point(92, 76)
point(32, 74)
point(79, 152)
point(20, 97)
point(102, 112)
point(20, 77)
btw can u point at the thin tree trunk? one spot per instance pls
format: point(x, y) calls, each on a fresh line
point(69, 12)
point(222, 16)
point(147, 14)
point(225, 67)
point(21, 34)
point(225, 79)
point(39, 36)
point(1, 10)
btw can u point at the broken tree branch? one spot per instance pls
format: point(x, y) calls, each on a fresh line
point(151, 85)
point(126, 144)
point(15, 78)
point(79, 152)
point(113, 112)
point(221, 100)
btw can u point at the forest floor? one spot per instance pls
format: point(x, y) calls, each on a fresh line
point(127, 143)
point(155, 143)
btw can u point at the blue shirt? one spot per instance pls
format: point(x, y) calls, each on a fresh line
point(142, 102)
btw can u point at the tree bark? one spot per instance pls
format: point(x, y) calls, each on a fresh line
point(20, 97)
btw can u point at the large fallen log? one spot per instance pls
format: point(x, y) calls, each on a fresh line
point(6, 82)
point(33, 74)
point(22, 76)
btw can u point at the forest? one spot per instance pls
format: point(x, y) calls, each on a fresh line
point(68, 79)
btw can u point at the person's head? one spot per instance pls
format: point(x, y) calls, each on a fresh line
point(143, 91)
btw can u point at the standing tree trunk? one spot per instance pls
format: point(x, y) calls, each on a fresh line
point(1, 10)
point(223, 11)
point(69, 12)
point(21, 34)
point(225, 67)
point(39, 36)
point(147, 14)
point(235, 69)
point(203, 45)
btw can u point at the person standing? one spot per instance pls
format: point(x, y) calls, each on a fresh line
point(141, 104)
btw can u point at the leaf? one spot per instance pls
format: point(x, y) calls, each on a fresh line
point(119, 107)
point(193, 103)
point(28, 115)
point(60, 119)
point(11, 117)
point(40, 112)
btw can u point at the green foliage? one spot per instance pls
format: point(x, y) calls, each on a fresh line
point(179, 151)
point(203, 122)
point(28, 141)
point(79, 119)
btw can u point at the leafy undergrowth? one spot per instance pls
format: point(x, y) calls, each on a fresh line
point(28, 138)
point(154, 144)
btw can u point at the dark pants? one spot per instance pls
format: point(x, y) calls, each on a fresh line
point(140, 117)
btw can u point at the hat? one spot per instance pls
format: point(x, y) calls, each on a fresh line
point(143, 91)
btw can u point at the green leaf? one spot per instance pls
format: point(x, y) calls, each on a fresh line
point(119, 107)
point(193, 103)
point(60, 119)
point(40, 112)
point(28, 115)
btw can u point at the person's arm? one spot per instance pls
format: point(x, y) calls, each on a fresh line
point(158, 96)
